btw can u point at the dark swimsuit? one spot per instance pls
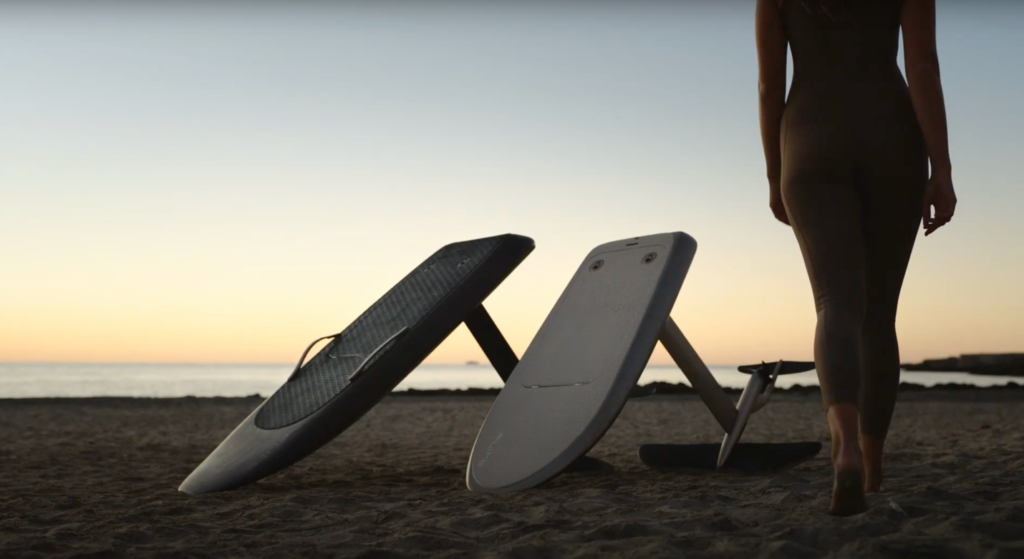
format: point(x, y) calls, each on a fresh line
point(854, 171)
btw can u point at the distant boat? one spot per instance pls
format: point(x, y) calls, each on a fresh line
point(472, 362)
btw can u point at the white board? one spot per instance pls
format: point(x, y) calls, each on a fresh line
point(577, 373)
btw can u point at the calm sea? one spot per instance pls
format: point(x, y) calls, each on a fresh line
point(41, 380)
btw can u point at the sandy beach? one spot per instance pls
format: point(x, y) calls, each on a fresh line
point(98, 478)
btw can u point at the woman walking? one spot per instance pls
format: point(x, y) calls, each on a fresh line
point(848, 156)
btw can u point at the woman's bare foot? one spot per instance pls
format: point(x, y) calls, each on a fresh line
point(847, 461)
point(871, 449)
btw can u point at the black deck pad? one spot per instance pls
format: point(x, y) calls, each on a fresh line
point(746, 457)
point(406, 304)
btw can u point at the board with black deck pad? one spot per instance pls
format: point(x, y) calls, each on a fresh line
point(582, 365)
point(363, 363)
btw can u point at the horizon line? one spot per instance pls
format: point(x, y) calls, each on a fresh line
point(471, 363)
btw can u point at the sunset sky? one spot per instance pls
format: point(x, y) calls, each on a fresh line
point(209, 183)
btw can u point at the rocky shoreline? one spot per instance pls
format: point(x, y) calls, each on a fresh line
point(995, 364)
point(667, 388)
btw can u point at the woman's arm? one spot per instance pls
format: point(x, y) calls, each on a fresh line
point(771, 87)
point(921, 60)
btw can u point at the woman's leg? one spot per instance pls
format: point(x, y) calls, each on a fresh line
point(892, 211)
point(826, 219)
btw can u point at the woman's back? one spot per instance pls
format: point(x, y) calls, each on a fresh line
point(845, 70)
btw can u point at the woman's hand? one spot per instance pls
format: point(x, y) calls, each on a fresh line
point(941, 196)
point(775, 203)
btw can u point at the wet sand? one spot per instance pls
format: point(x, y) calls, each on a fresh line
point(99, 477)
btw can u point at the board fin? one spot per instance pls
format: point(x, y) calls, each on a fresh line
point(745, 457)
point(787, 368)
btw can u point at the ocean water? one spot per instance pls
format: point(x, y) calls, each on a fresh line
point(43, 380)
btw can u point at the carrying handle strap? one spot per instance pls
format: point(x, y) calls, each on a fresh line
point(302, 359)
point(365, 361)
point(359, 370)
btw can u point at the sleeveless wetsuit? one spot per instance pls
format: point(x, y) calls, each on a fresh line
point(854, 171)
